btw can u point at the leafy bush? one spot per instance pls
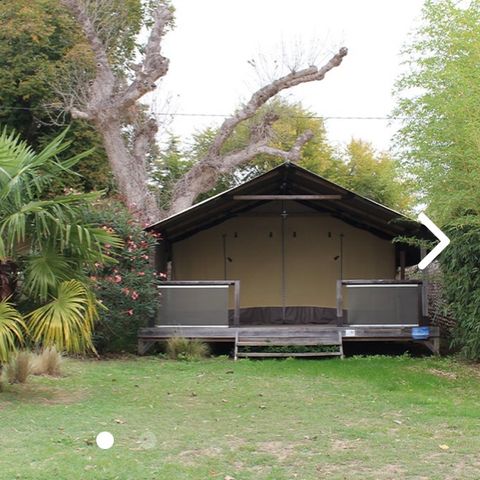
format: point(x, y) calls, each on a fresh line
point(19, 367)
point(128, 288)
point(12, 327)
point(179, 348)
point(461, 268)
point(48, 362)
point(45, 245)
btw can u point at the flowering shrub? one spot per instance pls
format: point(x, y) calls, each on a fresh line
point(128, 288)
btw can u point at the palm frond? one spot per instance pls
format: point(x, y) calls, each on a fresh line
point(12, 328)
point(44, 272)
point(66, 322)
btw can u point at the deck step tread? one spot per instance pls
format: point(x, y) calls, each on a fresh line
point(289, 354)
point(287, 342)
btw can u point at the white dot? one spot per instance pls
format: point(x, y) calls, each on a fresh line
point(105, 440)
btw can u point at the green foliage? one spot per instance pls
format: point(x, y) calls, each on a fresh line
point(45, 235)
point(65, 322)
point(168, 168)
point(43, 52)
point(40, 47)
point(128, 288)
point(179, 348)
point(46, 242)
point(375, 176)
point(461, 283)
point(439, 96)
point(12, 330)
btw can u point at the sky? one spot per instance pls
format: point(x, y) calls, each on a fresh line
point(214, 40)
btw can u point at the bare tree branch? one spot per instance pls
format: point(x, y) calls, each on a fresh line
point(260, 97)
point(204, 174)
point(154, 65)
point(241, 157)
point(104, 81)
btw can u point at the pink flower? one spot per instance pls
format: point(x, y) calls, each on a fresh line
point(117, 278)
point(141, 274)
point(130, 312)
point(135, 295)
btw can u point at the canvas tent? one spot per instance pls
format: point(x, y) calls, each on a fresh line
point(287, 236)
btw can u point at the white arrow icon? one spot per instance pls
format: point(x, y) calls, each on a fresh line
point(444, 241)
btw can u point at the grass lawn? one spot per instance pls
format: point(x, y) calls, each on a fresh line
point(361, 418)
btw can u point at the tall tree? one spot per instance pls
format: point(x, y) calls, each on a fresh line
point(39, 45)
point(439, 98)
point(111, 104)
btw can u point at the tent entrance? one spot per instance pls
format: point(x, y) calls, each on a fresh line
point(288, 263)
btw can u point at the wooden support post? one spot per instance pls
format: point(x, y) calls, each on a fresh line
point(423, 253)
point(339, 303)
point(236, 313)
point(235, 350)
point(143, 346)
point(402, 264)
point(340, 340)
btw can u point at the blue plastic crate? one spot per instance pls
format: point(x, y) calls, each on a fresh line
point(420, 333)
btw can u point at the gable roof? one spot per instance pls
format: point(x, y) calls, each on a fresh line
point(290, 179)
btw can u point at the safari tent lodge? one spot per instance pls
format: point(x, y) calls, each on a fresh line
point(289, 258)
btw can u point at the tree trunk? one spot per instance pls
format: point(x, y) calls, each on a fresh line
point(131, 175)
point(8, 279)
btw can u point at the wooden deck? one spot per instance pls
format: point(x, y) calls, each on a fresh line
point(291, 334)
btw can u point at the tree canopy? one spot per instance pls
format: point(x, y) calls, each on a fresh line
point(356, 166)
point(42, 49)
point(439, 98)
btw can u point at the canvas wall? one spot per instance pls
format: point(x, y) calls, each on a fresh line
point(252, 247)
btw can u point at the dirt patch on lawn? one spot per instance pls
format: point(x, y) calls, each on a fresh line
point(443, 373)
point(41, 395)
point(280, 450)
point(339, 444)
point(191, 457)
point(346, 469)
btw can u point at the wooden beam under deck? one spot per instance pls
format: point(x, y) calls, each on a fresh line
point(228, 334)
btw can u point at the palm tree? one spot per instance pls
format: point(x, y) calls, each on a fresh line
point(45, 245)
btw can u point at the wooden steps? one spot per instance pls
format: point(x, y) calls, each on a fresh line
point(327, 337)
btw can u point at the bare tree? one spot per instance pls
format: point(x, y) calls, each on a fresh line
point(112, 103)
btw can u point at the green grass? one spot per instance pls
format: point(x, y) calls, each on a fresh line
point(360, 418)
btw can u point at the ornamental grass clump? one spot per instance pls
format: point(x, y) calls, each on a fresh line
point(19, 367)
point(179, 348)
point(48, 362)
